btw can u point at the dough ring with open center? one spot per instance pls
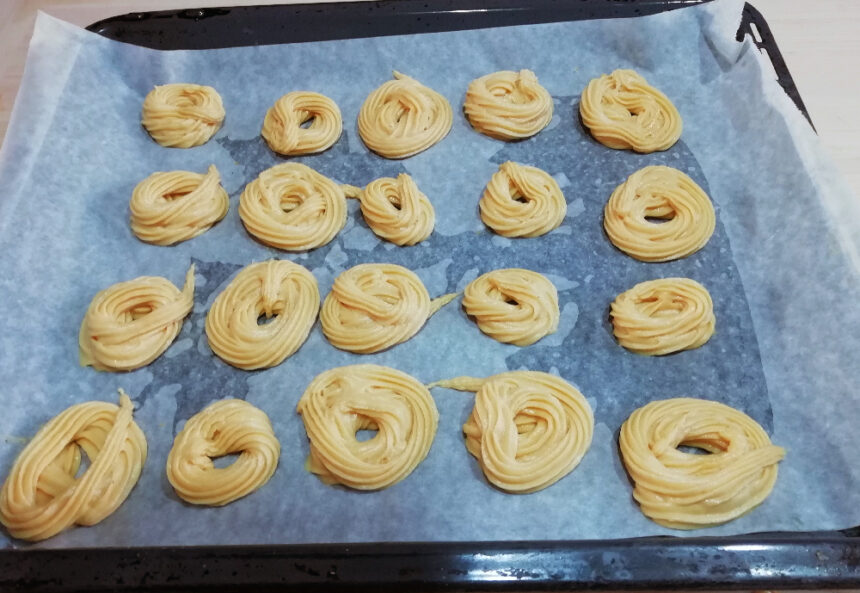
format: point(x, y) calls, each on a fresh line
point(182, 115)
point(522, 201)
point(395, 209)
point(282, 127)
point(508, 105)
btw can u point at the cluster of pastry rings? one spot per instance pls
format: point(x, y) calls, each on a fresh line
point(508, 105)
point(282, 126)
point(182, 115)
point(522, 201)
point(395, 209)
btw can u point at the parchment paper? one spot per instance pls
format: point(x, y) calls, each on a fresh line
point(781, 268)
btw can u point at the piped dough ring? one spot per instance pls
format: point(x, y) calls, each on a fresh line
point(282, 127)
point(513, 305)
point(281, 291)
point(508, 105)
point(41, 495)
point(663, 316)
point(403, 117)
point(528, 429)
point(292, 207)
point(395, 209)
point(221, 428)
point(171, 207)
point(522, 201)
point(341, 401)
point(621, 110)
point(129, 324)
point(182, 115)
point(686, 491)
point(662, 193)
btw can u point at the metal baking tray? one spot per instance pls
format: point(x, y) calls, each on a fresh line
point(788, 560)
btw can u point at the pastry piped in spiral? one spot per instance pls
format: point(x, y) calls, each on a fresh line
point(372, 307)
point(395, 209)
point(222, 428)
point(182, 115)
point(341, 401)
point(657, 192)
point(522, 201)
point(171, 207)
point(283, 293)
point(41, 495)
point(528, 429)
point(403, 117)
point(687, 491)
point(621, 110)
point(508, 105)
point(282, 127)
point(129, 324)
point(292, 207)
point(513, 305)
point(663, 316)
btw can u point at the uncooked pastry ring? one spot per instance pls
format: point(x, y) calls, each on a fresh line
point(182, 115)
point(522, 201)
point(508, 105)
point(282, 126)
point(395, 209)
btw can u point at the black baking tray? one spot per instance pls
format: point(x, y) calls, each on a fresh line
point(787, 560)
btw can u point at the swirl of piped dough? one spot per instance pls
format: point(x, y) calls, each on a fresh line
point(290, 206)
point(688, 491)
point(372, 307)
point(513, 305)
point(621, 110)
point(663, 193)
point(341, 401)
point(281, 291)
point(395, 209)
point(171, 207)
point(222, 428)
point(403, 117)
point(182, 115)
point(282, 127)
point(528, 429)
point(508, 105)
point(663, 316)
point(129, 324)
point(41, 495)
point(522, 201)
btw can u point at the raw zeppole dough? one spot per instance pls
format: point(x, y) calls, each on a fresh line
point(687, 491)
point(341, 401)
point(175, 206)
point(403, 117)
point(42, 497)
point(129, 324)
point(621, 110)
point(372, 307)
point(292, 207)
point(514, 306)
point(221, 428)
point(664, 193)
point(182, 115)
point(508, 105)
point(395, 209)
point(663, 316)
point(522, 201)
point(281, 291)
point(282, 127)
point(527, 430)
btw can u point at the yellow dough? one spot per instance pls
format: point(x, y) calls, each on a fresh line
point(282, 127)
point(341, 401)
point(662, 193)
point(513, 305)
point(508, 105)
point(41, 495)
point(171, 207)
point(403, 117)
point(281, 291)
point(395, 209)
point(663, 316)
point(621, 110)
point(221, 428)
point(372, 307)
point(129, 324)
point(528, 429)
point(182, 115)
point(522, 201)
point(292, 207)
point(687, 491)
